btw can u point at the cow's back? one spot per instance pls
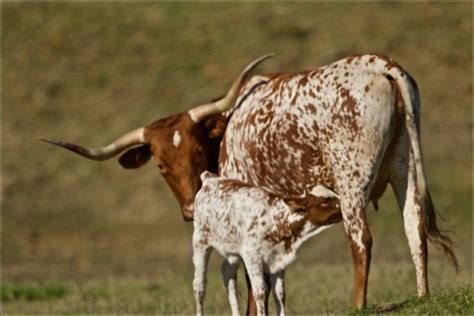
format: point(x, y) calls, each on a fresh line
point(283, 134)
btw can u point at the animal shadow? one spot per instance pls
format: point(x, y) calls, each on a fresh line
point(388, 307)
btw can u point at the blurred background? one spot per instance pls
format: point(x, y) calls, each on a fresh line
point(86, 237)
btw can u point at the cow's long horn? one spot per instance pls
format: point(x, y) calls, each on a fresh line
point(132, 138)
point(202, 111)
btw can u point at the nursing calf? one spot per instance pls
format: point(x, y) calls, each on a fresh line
point(245, 222)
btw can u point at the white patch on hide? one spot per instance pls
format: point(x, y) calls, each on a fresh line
point(176, 139)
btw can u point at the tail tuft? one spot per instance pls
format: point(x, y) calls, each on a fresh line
point(439, 238)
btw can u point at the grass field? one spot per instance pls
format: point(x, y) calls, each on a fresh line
point(86, 237)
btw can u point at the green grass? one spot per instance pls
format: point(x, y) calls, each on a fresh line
point(87, 72)
point(33, 291)
point(456, 301)
point(142, 296)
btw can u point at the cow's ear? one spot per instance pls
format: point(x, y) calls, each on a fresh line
point(135, 157)
point(215, 126)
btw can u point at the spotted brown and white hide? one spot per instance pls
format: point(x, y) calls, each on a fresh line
point(264, 230)
point(351, 126)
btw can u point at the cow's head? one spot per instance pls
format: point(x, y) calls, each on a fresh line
point(181, 149)
point(182, 145)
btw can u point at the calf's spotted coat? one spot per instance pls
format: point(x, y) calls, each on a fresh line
point(241, 221)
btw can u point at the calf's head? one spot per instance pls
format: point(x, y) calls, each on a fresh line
point(321, 206)
point(182, 145)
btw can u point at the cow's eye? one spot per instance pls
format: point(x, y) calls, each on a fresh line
point(200, 149)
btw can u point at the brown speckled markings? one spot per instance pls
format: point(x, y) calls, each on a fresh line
point(245, 222)
point(351, 126)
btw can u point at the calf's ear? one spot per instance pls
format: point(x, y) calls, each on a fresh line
point(295, 205)
point(322, 202)
point(135, 157)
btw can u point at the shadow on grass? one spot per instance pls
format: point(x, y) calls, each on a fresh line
point(453, 301)
point(389, 307)
point(381, 308)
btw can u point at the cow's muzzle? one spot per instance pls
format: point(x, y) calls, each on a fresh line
point(188, 212)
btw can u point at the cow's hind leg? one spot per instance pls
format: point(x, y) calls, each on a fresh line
point(356, 168)
point(353, 208)
point(356, 171)
point(403, 180)
point(353, 187)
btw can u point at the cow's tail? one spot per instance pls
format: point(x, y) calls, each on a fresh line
point(411, 100)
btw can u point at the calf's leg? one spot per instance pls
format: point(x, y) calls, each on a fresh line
point(254, 266)
point(278, 289)
point(251, 305)
point(200, 260)
point(229, 275)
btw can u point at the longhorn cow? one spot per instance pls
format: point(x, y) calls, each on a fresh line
point(351, 126)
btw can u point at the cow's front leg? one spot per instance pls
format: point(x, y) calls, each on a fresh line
point(357, 230)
